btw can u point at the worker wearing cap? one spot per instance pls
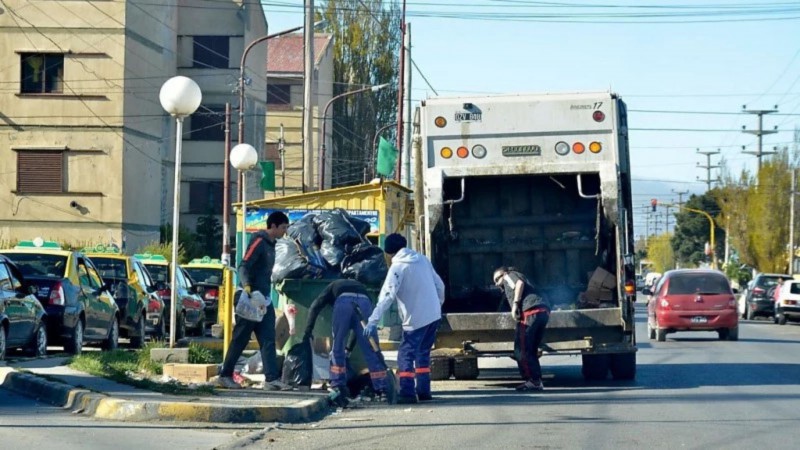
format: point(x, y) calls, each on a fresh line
point(531, 313)
point(420, 293)
point(351, 305)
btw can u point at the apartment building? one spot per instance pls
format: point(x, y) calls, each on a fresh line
point(86, 151)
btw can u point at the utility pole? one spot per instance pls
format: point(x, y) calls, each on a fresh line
point(666, 216)
point(760, 132)
point(708, 166)
point(680, 196)
point(406, 172)
point(791, 222)
point(400, 93)
point(308, 95)
point(226, 190)
point(282, 153)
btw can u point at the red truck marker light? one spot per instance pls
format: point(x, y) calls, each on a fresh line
point(578, 148)
point(598, 116)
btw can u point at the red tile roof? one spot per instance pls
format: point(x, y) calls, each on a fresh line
point(285, 53)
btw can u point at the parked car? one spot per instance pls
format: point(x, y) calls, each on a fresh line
point(190, 308)
point(22, 317)
point(692, 300)
point(141, 308)
point(787, 307)
point(208, 273)
point(80, 307)
point(757, 299)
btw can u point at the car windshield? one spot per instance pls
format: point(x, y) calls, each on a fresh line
point(111, 268)
point(205, 275)
point(39, 264)
point(159, 273)
point(707, 283)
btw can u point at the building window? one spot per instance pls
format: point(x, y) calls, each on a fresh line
point(40, 172)
point(212, 52)
point(42, 73)
point(208, 124)
point(205, 197)
point(279, 94)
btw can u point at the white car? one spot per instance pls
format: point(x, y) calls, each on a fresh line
point(788, 305)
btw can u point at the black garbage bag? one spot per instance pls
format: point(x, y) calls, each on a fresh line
point(298, 365)
point(337, 231)
point(365, 263)
point(305, 232)
point(362, 226)
point(292, 262)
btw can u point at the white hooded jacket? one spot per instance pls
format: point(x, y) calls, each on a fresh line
point(416, 286)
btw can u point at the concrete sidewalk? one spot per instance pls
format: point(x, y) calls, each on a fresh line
point(50, 380)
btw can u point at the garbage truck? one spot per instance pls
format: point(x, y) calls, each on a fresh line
point(541, 183)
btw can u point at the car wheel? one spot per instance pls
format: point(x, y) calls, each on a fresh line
point(138, 340)
point(38, 345)
point(661, 334)
point(651, 332)
point(750, 314)
point(595, 367)
point(181, 327)
point(75, 343)
point(723, 334)
point(781, 319)
point(733, 334)
point(161, 331)
point(201, 328)
point(2, 342)
point(112, 340)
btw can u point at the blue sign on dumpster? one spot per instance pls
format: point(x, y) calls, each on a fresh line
point(257, 218)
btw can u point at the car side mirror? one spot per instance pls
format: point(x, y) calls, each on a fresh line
point(647, 291)
point(735, 291)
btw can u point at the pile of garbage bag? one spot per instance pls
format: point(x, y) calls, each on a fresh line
point(329, 244)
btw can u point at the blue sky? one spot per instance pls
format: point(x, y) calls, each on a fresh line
point(708, 66)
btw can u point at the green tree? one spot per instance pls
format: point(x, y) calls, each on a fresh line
point(732, 197)
point(209, 235)
point(768, 214)
point(188, 248)
point(366, 42)
point(660, 253)
point(693, 231)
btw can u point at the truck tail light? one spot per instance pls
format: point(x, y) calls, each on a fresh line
point(598, 116)
point(562, 148)
point(57, 295)
point(630, 288)
point(595, 147)
point(446, 152)
point(462, 152)
point(479, 151)
point(578, 147)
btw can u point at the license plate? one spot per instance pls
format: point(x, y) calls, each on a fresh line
point(699, 319)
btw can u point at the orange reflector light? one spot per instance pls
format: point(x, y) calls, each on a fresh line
point(446, 152)
point(462, 152)
point(440, 122)
point(578, 148)
point(595, 147)
point(630, 288)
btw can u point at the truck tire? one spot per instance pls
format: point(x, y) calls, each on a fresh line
point(623, 366)
point(441, 367)
point(595, 367)
point(465, 367)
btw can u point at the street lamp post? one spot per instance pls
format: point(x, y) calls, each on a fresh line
point(179, 96)
point(244, 157)
point(325, 123)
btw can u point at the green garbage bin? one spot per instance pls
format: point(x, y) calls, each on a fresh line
point(301, 293)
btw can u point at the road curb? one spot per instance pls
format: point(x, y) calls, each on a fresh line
point(102, 406)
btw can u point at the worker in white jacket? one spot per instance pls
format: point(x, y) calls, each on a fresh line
point(420, 293)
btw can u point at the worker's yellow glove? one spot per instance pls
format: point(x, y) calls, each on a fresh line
point(248, 289)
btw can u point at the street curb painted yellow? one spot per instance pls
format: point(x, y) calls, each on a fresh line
point(102, 406)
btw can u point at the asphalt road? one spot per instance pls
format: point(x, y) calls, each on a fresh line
point(692, 391)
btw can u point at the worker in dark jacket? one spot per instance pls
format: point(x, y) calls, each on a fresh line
point(255, 271)
point(531, 313)
point(351, 305)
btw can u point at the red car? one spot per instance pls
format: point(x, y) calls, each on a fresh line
point(692, 300)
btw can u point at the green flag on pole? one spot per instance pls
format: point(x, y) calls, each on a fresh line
point(267, 175)
point(387, 157)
